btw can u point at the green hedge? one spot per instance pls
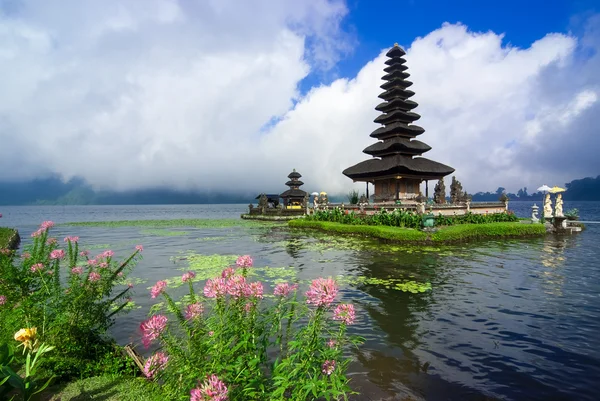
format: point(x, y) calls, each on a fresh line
point(456, 233)
point(9, 238)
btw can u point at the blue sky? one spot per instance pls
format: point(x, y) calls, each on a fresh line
point(377, 24)
point(221, 94)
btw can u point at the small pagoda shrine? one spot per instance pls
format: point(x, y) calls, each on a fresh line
point(294, 197)
point(395, 170)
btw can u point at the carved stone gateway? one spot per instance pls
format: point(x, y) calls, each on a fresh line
point(439, 192)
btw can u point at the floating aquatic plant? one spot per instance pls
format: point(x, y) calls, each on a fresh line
point(163, 233)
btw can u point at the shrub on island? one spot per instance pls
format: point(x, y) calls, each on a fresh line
point(232, 344)
point(406, 218)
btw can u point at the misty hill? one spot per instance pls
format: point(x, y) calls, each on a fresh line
point(52, 191)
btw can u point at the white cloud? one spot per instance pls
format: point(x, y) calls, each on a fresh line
point(197, 95)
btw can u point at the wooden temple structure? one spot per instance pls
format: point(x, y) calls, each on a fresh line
point(397, 169)
point(294, 197)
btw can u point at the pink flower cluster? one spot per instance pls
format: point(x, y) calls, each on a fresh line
point(139, 248)
point(344, 313)
point(244, 261)
point(94, 276)
point(328, 367)
point(234, 285)
point(57, 254)
point(284, 289)
point(77, 270)
point(228, 272)
point(37, 267)
point(51, 241)
point(158, 288)
point(322, 292)
point(189, 276)
point(152, 328)
point(193, 311)
point(212, 389)
point(155, 364)
point(45, 226)
point(2, 299)
point(71, 239)
point(5, 251)
point(26, 255)
point(84, 253)
point(106, 254)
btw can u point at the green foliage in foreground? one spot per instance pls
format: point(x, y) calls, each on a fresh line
point(198, 223)
point(444, 234)
point(108, 388)
point(6, 236)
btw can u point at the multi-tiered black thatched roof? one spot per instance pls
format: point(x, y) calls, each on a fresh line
point(294, 193)
point(393, 154)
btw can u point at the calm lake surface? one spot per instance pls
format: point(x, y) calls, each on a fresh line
point(510, 320)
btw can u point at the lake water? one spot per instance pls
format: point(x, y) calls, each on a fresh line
point(510, 320)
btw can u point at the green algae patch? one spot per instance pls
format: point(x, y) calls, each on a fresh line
point(196, 223)
point(163, 233)
point(9, 238)
point(446, 234)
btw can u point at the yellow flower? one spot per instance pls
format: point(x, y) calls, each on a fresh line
point(26, 337)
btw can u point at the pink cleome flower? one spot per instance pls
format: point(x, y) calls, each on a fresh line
point(92, 262)
point(345, 313)
point(215, 288)
point(155, 364)
point(84, 253)
point(284, 289)
point(322, 292)
point(193, 311)
point(46, 225)
point(189, 276)
point(212, 389)
point(108, 254)
point(103, 265)
point(244, 261)
point(37, 233)
point(152, 328)
point(328, 367)
point(77, 270)
point(236, 286)
point(254, 289)
point(51, 241)
point(2, 299)
point(26, 255)
point(139, 248)
point(57, 254)
point(71, 239)
point(332, 343)
point(228, 272)
point(158, 288)
point(94, 276)
point(37, 267)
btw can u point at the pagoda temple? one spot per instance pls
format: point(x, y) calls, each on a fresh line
point(394, 170)
point(293, 197)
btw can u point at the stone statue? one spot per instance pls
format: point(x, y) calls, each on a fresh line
point(439, 193)
point(547, 207)
point(456, 191)
point(263, 203)
point(534, 213)
point(558, 207)
point(316, 202)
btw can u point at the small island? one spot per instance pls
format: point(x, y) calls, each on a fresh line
point(398, 210)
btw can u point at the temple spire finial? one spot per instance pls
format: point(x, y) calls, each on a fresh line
point(396, 44)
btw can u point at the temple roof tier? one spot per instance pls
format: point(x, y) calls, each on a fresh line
point(397, 116)
point(395, 67)
point(396, 104)
point(395, 61)
point(397, 145)
point(296, 183)
point(294, 174)
point(396, 93)
point(397, 165)
point(397, 129)
point(395, 75)
point(396, 83)
point(293, 193)
point(395, 51)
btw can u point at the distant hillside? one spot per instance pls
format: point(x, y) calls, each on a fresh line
point(585, 189)
point(53, 191)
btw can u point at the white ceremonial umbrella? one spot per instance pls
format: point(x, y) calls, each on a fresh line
point(314, 194)
point(544, 188)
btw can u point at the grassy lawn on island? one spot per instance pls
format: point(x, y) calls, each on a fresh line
point(7, 237)
point(455, 233)
point(106, 388)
